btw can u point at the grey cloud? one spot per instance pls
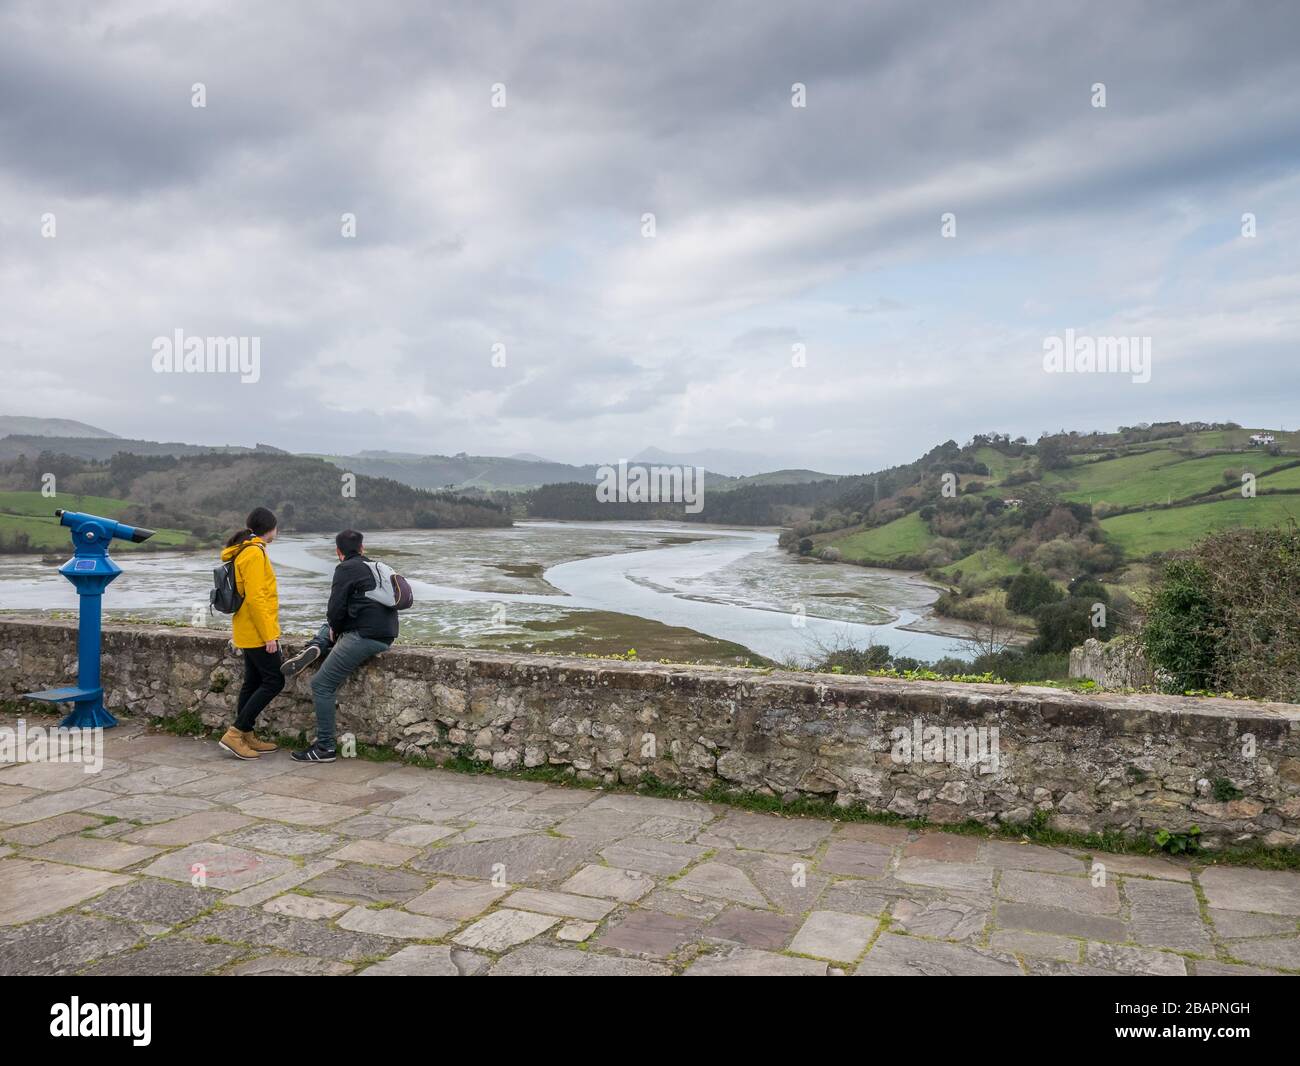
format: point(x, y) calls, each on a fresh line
point(520, 226)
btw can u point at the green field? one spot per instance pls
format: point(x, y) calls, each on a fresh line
point(1141, 475)
point(1158, 477)
point(1144, 532)
point(1238, 438)
point(1283, 479)
point(33, 514)
point(1097, 480)
point(33, 503)
point(903, 536)
point(1177, 481)
point(982, 567)
point(999, 465)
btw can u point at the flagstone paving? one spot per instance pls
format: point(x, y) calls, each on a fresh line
point(178, 860)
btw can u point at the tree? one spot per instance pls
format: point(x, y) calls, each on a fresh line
point(992, 633)
point(1052, 453)
point(1066, 625)
point(1031, 590)
point(1086, 586)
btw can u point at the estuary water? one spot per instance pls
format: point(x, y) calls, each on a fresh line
point(553, 583)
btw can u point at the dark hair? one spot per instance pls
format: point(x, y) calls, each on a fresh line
point(260, 520)
point(348, 542)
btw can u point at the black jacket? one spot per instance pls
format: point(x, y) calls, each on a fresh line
point(351, 610)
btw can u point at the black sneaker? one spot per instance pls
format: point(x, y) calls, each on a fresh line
point(298, 663)
point(316, 753)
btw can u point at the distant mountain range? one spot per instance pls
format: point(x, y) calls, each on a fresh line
point(49, 427)
point(461, 472)
point(718, 460)
point(516, 474)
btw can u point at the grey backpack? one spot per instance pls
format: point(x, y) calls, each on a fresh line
point(225, 596)
point(391, 589)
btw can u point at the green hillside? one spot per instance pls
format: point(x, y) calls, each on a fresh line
point(34, 503)
point(1281, 481)
point(200, 498)
point(1239, 439)
point(1027, 540)
point(49, 427)
point(1000, 465)
point(1093, 477)
point(1053, 505)
point(1174, 528)
point(31, 515)
point(903, 537)
point(1122, 483)
point(1155, 474)
point(981, 567)
point(777, 477)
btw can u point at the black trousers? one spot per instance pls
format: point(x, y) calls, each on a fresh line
point(262, 683)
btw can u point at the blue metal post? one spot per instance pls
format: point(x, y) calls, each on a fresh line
point(90, 570)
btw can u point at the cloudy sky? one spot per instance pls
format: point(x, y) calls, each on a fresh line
point(775, 226)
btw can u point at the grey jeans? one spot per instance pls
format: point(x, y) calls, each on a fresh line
point(339, 660)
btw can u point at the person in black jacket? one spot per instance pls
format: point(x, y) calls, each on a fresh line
point(357, 628)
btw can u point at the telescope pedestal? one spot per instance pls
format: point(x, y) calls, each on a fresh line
point(90, 573)
point(90, 570)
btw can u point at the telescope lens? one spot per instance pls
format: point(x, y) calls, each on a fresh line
point(141, 534)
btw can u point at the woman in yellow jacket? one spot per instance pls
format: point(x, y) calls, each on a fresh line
point(256, 631)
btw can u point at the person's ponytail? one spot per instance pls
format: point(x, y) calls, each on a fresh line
point(239, 536)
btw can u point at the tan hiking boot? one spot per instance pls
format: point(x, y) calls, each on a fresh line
point(251, 739)
point(234, 742)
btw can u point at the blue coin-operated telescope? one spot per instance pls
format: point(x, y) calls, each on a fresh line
point(90, 570)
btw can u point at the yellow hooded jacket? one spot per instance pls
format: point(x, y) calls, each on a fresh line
point(257, 622)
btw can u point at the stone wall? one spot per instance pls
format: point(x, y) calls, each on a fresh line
point(1118, 663)
point(1127, 762)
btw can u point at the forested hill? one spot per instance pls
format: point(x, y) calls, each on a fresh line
point(752, 505)
point(756, 501)
point(31, 445)
point(1070, 503)
point(199, 498)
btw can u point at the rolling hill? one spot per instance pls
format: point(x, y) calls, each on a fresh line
point(29, 445)
point(31, 515)
point(491, 473)
point(1141, 492)
point(22, 436)
point(49, 427)
point(195, 499)
point(1141, 533)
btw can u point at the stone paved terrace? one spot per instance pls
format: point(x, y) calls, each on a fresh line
point(384, 869)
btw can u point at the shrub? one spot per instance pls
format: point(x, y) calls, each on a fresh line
point(1031, 590)
point(1065, 625)
point(1227, 617)
point(1180, 626)
point(1056, 556)
point(1086, 587)
point(1023, 666)
point(855, 660)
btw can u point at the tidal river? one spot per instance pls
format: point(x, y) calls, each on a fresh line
point(560, 585)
